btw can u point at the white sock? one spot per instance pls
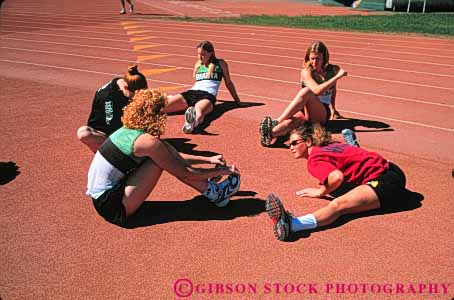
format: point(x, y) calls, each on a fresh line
point(303, 223)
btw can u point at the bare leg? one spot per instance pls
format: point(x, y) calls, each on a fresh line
point(202, 108)
point(313, 108)
point(142, 182)
point(123, 4)
point(297, 104)
point(285, 127)
point(176, 103)
point(360, 199)
point(91, 138)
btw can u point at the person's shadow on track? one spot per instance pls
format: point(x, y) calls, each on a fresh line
point(8, 172)
point(408, 200)
point(337, 125)
point(219, 109)
point(183, 145)
point(197, 209)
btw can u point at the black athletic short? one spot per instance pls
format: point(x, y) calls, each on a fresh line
point(110, 204)
point(193, 96)
point(389, 186)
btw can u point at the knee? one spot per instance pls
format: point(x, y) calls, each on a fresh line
point(339, 205)
point(84, 133)
point(303, 92)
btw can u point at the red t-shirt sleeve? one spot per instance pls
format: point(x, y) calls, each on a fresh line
point(320, 168)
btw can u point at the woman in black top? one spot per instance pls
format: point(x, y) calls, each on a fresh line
point(107, 107)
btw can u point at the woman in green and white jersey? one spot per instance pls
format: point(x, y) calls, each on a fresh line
point(199, 101)
point(315, 101)
point(128, 165)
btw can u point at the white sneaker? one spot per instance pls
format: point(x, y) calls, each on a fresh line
point(122, 11)
point(189, 116)
point(131, 8)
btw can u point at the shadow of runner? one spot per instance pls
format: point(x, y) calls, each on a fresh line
point(8, 172)
point(219, 110)
point(183, 145)
point(408, 200)
point(336, 126)
point(196, 209)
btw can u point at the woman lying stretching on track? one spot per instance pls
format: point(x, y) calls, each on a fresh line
point(127, 166)
point(107, 107)
point(364, 180)
point(199, 101)
point(316, 100)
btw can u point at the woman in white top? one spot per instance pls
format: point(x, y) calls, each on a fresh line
point(199, 101)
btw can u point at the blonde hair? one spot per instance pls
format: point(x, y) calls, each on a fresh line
point(135, 79)
point(317, 47)
point(208, 47)
point(146, 111)
point(313, 132)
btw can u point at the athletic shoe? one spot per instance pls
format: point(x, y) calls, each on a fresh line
point(122, 11)
point(131, 8)
point(228, 188)
point(189, 116)
point(350, 137)
point(266, 129)
point(280, 217)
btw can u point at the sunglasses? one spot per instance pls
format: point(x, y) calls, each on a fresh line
point(296, 142)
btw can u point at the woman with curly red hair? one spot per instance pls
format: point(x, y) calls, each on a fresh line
point(130, 162)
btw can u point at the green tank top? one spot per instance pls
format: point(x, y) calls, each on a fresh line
point(124, 139)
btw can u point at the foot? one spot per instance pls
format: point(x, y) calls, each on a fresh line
point(280, 217)
point(228, 188)
point(189, 116)
point(266, 130)
point(131, 8)
point(122, 11)
point(350, 137)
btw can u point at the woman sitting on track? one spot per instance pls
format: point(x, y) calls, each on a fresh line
point(364, 180)
point(199, 101)
point(129, 163)
point(316, 100)
point(107, 107)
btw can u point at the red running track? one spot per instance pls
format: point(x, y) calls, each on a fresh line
point(54, 55)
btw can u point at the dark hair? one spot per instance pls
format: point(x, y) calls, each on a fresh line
point(135, 79)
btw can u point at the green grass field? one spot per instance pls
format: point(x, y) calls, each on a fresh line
point(439, 24)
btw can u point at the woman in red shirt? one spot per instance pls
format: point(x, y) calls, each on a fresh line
point(364, 180)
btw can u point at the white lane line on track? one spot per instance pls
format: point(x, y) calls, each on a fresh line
point(241, 52)
point(266, 29)
point(216, 35)
point(286, 39)
point(356, 76)
point(342, 63)
point(247, 76)
point(233, 51)
point(269, 98)
point(235, 74)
